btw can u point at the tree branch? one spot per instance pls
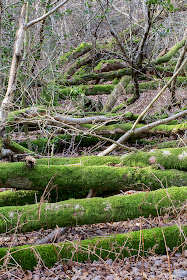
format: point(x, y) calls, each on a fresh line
point(45, 15)
point(141, 130)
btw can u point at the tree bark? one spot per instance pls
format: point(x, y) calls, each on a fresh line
point(18, 48)
point(119, 89)
point(169, 158)
point(165, 58)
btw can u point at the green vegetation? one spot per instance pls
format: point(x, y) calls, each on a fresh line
point(9, 198)
point(107, 89)
point(91, 210)
point(170, 53)
point(124, 245)
point(172, 158)
point(88, 90)
point(111, 62)
point(77, 180)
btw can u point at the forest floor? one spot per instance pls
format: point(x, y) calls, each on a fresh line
point(162, 267)
point(171, 266)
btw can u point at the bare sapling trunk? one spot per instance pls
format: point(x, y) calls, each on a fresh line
point(17, 57)
point(18, 48)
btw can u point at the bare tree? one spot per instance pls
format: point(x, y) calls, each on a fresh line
point(18, 49)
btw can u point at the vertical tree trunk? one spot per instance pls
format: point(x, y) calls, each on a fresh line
point(117, 91)
point(1, 64)
point(18, 48)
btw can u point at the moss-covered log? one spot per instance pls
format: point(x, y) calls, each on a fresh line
point(109, 247)
point(171, 158)
point(79, 51)
point(165, 145)
point(118, 129)
point(86, 89)
point(9, 198)
point(109, 65)
point(77, 180)
point(42, 144)
point(26, 112)
point(170, 53)
point(107, 89)
point(86, 59)
point(91, 211)
point(19, 197)
point(81, 79)
point(154, 84)
point(93, 76)
point(15, 147)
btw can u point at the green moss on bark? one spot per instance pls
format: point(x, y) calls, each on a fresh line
point(170, 53)
point(80, 50)
point(75, 180)
point(17, 147)
point(93, 76)
point(91, 211)
point(109, 247)
point(170, 158)
point(88, 90)
point(10, 198)
point(24, 113)
point(118, 129)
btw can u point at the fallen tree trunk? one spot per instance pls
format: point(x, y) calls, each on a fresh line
point(74, 54)
point(171, 158)
point(158, 127)
point(109, 65)
point(85, 60)
point(93, 76)
point(118, 129)
point(170, 53)
point(34, 112)
point(166, 144)
point(77, 180)
point(9, 198)
point(119, 89)
point(84, 139)
point(87, 89)
point(107, 76)
point(91, 211)
point(107, 89)
point(109, 247)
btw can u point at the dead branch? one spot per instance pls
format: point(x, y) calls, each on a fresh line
point(45, 15)
point(56, 233)
point(133, 131)
point(143, 129)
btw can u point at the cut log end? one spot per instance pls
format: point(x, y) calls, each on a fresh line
point(30, 161)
